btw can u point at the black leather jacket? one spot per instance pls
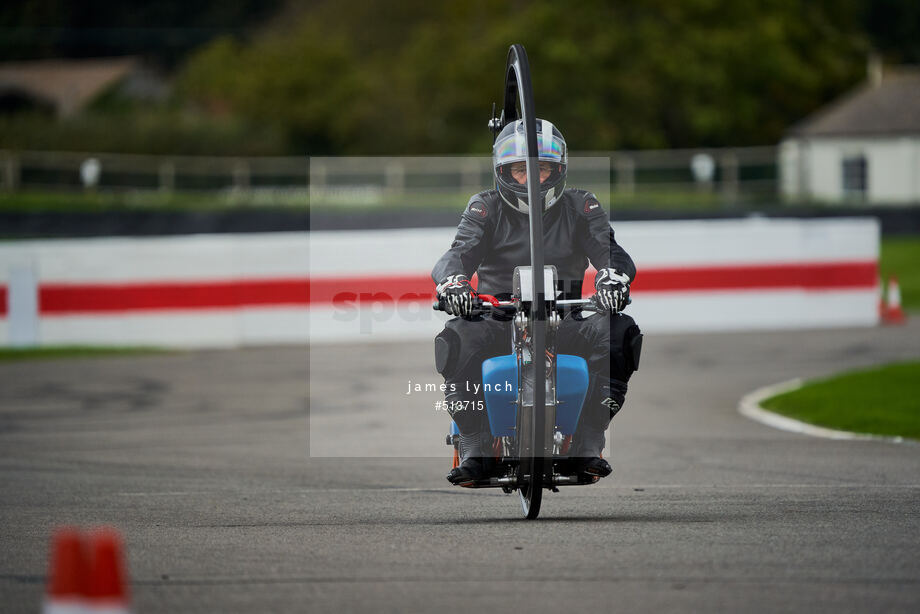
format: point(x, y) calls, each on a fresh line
point(492, 239)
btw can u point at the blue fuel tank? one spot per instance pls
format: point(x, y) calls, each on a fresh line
point(499, 381)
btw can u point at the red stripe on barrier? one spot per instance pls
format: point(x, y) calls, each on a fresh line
point(105, 298)
point(3, 307)
point(388, 289)
point(155, 296)
point(809, 276)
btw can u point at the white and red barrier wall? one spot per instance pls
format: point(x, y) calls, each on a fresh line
point(368, 285)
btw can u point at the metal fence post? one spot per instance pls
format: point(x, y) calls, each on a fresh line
point(167, 174)
point(316, 173)
point(626, 174)
point(470, 176)
point(241, 175)
point(10, 171)
point(729, 163)
point(395, 177)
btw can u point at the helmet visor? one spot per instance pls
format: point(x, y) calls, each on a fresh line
point(513, 148)
point(515, 173)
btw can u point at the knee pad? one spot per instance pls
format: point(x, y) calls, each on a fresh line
point(446, 352)
point(625, 347)
point(634, 348)
point(461, 347)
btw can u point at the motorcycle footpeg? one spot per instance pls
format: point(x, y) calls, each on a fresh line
point(487, 482)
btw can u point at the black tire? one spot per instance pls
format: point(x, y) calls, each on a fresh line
point(531, 489)
point(519, 102)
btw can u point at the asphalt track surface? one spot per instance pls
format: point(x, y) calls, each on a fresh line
point(202, 460)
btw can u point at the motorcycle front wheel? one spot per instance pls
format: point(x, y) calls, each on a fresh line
point(531, 486)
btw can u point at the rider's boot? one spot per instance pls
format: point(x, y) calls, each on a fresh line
point(475, 442)
point(587, 454)
point(470, 468)
point(589, 444)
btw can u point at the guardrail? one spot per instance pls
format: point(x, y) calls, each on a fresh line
point(287, 287)
point(732, 174)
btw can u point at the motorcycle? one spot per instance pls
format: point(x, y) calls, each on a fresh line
point(531, 439)
point(532, 420)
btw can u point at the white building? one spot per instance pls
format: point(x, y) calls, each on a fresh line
point(862, 148)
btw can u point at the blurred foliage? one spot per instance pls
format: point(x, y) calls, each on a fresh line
point(89, 201)
point(142, 131)
point(894, 28)
point(375, 77)
point(419, 77)
point(113, 199)
point(163, 32)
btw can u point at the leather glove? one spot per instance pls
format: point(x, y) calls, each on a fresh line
point(456, 294)
point(612, 290)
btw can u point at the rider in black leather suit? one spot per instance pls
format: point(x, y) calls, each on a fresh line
point(492, 239)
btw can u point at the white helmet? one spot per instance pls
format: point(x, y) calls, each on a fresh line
point(510, 147)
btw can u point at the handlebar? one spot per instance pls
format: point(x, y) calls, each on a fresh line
point(494, 301)
point(481, 299)
point(575, 302)
point(478, 301)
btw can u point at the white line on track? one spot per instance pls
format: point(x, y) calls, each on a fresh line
point(749, 407)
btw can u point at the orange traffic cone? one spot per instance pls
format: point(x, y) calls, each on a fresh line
point(67, 577)
point(893, 313)
point(107, 592)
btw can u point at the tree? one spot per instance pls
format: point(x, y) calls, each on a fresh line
point(419, 77)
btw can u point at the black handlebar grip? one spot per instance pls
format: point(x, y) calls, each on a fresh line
point(477, 305)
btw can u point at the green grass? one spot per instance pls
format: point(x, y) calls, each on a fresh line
point(416, 198)
point(72, 351)
point(35, 200)
point(901, 258)
point(880, 401)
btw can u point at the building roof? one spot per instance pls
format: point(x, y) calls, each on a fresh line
point(891, 107)
point(67, 85)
